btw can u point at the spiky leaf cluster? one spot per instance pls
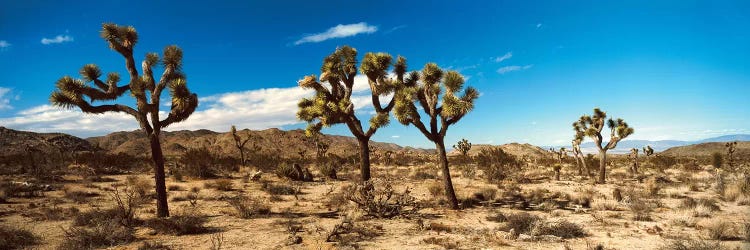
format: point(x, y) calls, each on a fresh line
point(332, 102)
point(648, 151)
point(79, 93)
point(593, 125)
point(463, 146)
point(428, 88)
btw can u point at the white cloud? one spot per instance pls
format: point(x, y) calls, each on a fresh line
point(4, 44)
point(504, 57)
point(57, 39)
point(507, 69)
point(395, 136)
point(5, 98)
point(254, 109)
point(538, 25)
point(338, 31)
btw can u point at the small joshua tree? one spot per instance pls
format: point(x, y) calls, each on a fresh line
point(332, 104)
point(560, 155)
point(634, 156)
point(579, 155)
point(427, 92)
point(463, 146)
point(240, 142)
point(144, 88)
point(731, 147)
point(648, 151)
point(592, 127)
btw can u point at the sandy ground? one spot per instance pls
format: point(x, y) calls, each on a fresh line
point(470, 228)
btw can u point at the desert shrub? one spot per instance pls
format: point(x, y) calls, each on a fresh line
point(98, 236)
point(95, 217)
point(497, 164)
point(640, 207)
point(720, 230)
point(701, 207)
point(220, 184)
point(103, 163)
point(179, 224)
point(279, 189)
point(617, 194)
point(584, 197)
point(436, 189)
point(10, 189)
point(143, 187)
point(717, 160)
point(198, 163)
point(55, 213)
point(293, 172)
point(652, 187)
point(329, 168)
point(175, 188)
point(468, 171)
point(746, 231)
point(16, 238)
point(559, 228)
point(444, 242)
point(149, 245)
point(497, 217)
point(486, 194)
point(377, 198)
point(78, 196)
point(521, 222)
point(662, 162)
point(692, 244)
point(248, 207)
point(347, 232)
point(423, 175)
point(605, 205)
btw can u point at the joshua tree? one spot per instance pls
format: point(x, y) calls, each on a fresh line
point(731, 146)
point(144, 88)
point(559, 154)
point(463, 146)
point(592, 126)
point(579, 155)
point(239, 142)
point(427, 92)
point(648, 151)
point(332, 104)
point(634, 156)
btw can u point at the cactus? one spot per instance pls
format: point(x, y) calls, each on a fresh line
point(144, 88)
point(426, 88)
point(333, 105)
point(634, 156)
point(239, 142)
point(592, 127)
point(463, 146)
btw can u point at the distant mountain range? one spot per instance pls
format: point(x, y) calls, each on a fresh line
point(658, 146)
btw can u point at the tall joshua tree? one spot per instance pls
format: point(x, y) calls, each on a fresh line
point(578, 154)
point(592, 127)
point(143, 87)
point(332, 103)
point(731, 147)
point(240, 142)
point(428, 91)
point(463, 146)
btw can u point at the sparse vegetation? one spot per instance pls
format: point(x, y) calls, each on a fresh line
point(16, 238)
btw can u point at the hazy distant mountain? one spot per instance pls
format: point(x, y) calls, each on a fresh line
point(658, 146)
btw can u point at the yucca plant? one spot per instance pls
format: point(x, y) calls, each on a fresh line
point(428, 88)
point(592, 127)
point(143, 87)
point(332, 102)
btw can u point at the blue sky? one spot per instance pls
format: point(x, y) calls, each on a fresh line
point(672, 69)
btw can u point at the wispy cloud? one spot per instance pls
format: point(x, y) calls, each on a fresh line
point(394, 29)
point(395, 136)
point(504, 57)
point(57, 39)
point(4, 44)
point(5, 99)
point(338, 31)
point(254, 109)
point(538, 25)
point(512, 68)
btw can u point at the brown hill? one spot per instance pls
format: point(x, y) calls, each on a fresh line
point(13, 142)
point(516, 149)
point(285, 143)
point(708, 148)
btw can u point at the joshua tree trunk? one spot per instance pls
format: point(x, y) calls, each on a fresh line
point(364, 155)
point(580, 164)
point(602, 166)
point(635, 166)
point(242, 156)
point(449, 193)
point(162, 209)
